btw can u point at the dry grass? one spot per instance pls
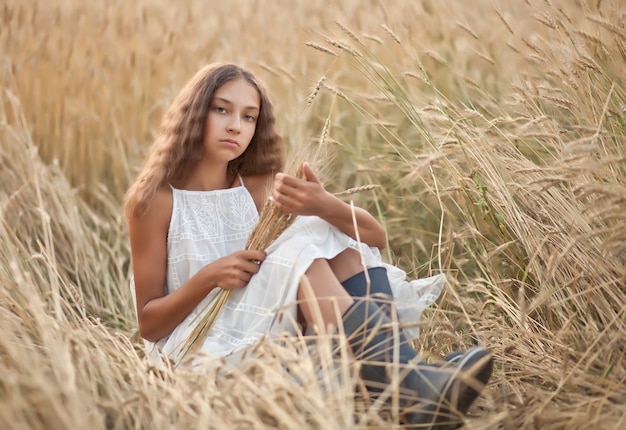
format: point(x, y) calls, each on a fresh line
point(496, 138)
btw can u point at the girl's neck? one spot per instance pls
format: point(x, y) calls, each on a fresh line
point(209, 178)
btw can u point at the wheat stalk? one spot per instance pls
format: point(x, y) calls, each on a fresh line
point(360, 189)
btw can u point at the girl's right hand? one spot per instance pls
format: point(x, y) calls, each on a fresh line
point(236, 269)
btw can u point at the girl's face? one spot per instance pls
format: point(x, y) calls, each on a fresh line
point(232, 119)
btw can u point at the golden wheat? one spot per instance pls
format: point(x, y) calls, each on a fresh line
point(495, 136)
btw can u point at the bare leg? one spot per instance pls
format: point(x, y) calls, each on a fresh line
point(322, 298)
point(346, 264)
point(322, 289)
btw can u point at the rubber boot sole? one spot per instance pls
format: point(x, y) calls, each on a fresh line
point(445, 399)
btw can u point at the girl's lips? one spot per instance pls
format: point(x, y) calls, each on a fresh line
point(231, 142)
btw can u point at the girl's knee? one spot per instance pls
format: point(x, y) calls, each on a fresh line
point(346, 264)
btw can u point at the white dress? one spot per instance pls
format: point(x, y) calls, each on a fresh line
point(207, 225)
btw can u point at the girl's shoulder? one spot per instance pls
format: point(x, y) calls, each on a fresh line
point(148, 231)
point(259, 186)
point(163, 198)
point(159, 211)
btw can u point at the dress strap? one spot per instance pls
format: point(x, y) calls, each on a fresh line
point(240, 180)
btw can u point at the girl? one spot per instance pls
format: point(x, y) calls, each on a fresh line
point(191, 210)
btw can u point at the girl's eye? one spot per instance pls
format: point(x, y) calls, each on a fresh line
point(249, 118)
point(219, 109)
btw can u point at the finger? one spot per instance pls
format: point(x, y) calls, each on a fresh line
point(236, 283)
point(245, 278)
point(309, 175)
point(233, 283)
point(280, 198)
point(286, 181)
point(250, 267)
point(253, 255)
point(281, 189)
point(286, 203)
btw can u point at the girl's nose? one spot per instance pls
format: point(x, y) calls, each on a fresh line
point(234, 124)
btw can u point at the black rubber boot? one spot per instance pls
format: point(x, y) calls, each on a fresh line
point(378, 289)
point(447, 392)
point(431, 396)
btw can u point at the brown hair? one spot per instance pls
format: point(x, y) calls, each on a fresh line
point(178, 145)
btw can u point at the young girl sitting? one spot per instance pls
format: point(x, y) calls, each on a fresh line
point(194, 204)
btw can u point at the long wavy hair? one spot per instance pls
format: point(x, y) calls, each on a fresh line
point(178, 146)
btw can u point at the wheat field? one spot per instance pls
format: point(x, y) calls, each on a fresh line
point(490, 137)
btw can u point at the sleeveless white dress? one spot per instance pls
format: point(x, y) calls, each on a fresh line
point(207, 225)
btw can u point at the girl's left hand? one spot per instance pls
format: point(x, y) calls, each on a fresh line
point(300, 196)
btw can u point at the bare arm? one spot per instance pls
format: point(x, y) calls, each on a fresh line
point(308, 197)
point(158, 314)
point(259, 186)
